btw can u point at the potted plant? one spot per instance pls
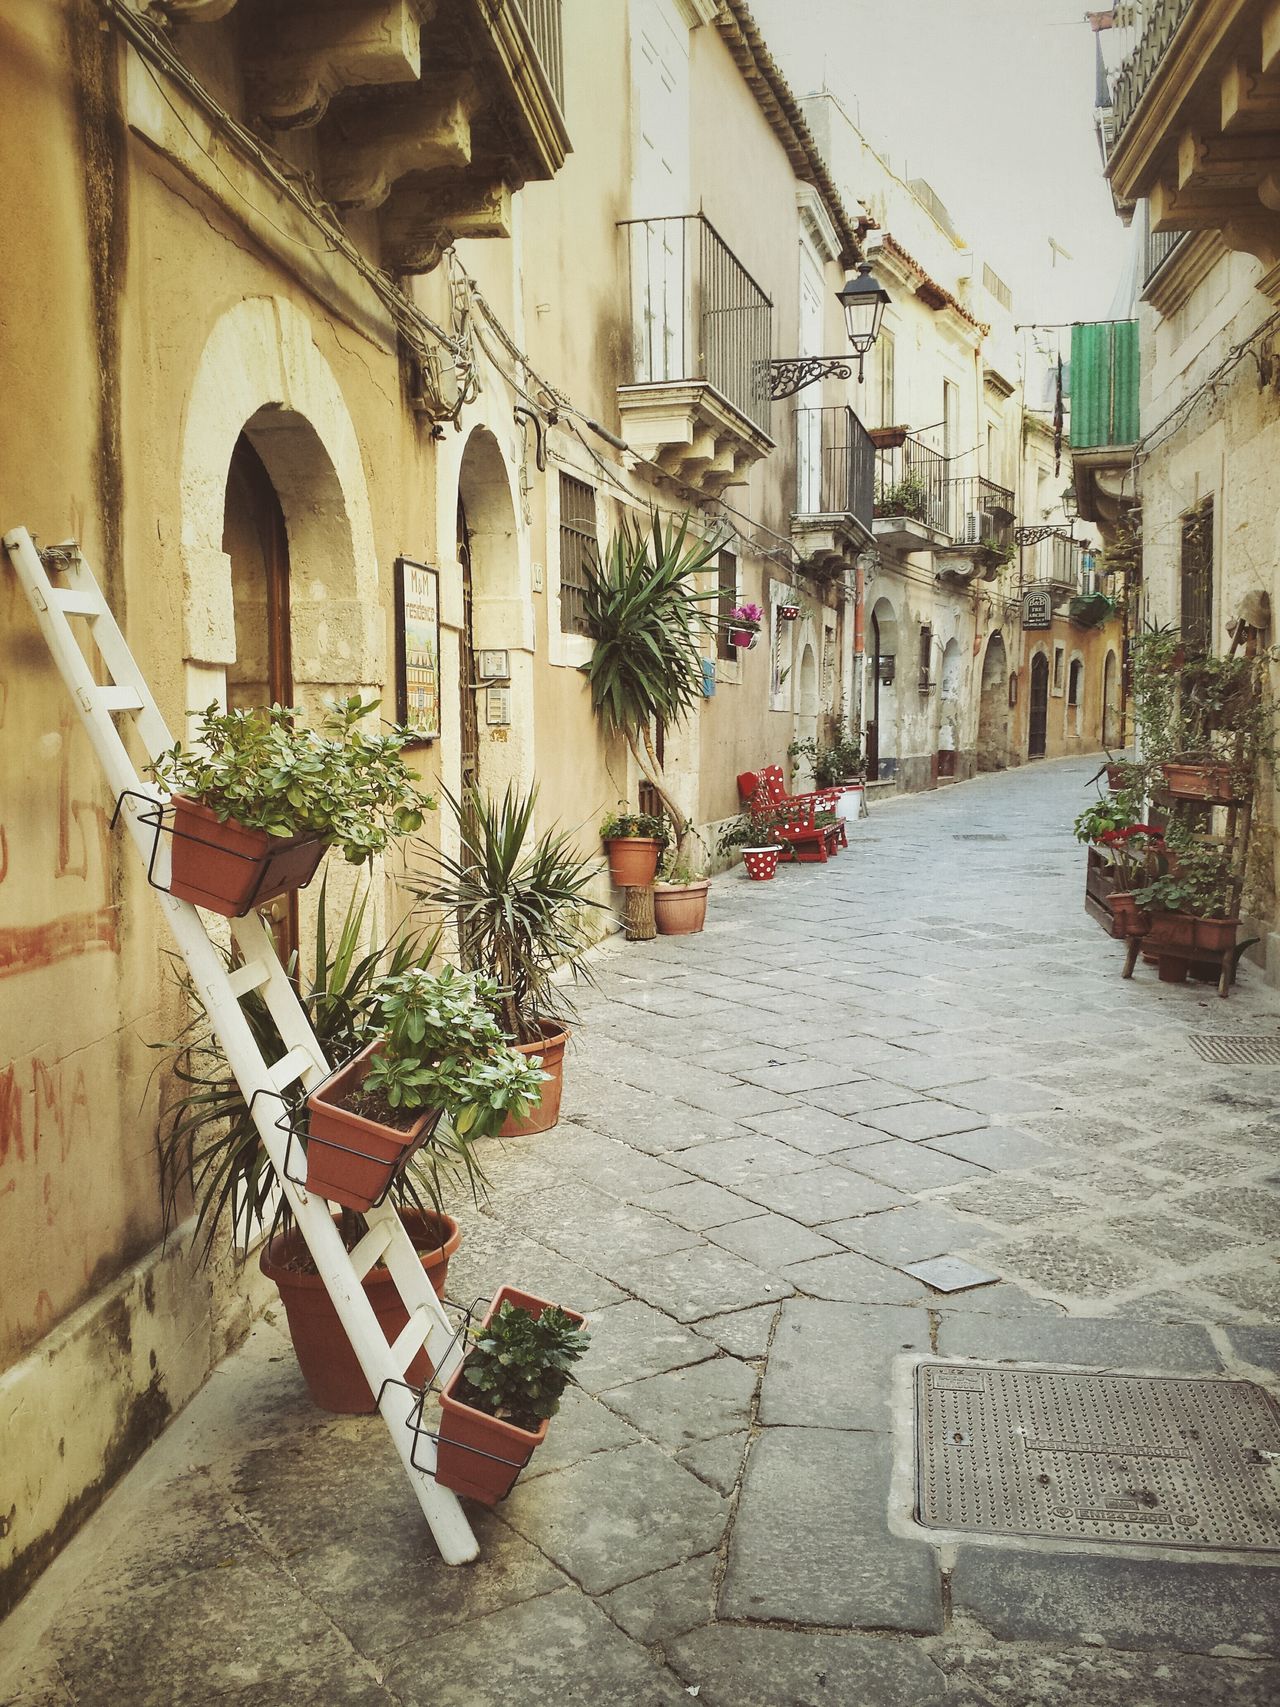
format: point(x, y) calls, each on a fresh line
point(210, 1149)
point(1191, 905)
point(645, 611)
point(635, 842)
point(786, 611)
point(906, 497)
point(260, 800)
point(436, 1049)
point(1109, 812)
point(521, 904)
point(744, 626)
point(680, 899)
point(753, 831)
point(1135, 853)
point(495, 1409)
point(888, 438)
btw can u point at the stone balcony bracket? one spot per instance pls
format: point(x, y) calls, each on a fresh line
point(691, 433)
point(829, 545)
point(908, 533)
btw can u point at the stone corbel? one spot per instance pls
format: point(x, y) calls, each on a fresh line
point(298, 63)
point(365, 154)
point(420, 222)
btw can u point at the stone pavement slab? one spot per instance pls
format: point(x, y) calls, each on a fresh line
point(830, 1363)
point(1092, 1677)
point(688, 1405)
point(910, 1167)
point(1102, 1342)
point(632, 1340)
point(772, 1241)
point(735, 1667)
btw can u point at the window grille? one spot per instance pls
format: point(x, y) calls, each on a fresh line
point(1197, 577)
point(578, 548)
point(727, 571)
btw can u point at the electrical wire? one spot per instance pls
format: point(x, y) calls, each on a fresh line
point(1149, 440)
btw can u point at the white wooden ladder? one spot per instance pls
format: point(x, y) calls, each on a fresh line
point(262, 1083)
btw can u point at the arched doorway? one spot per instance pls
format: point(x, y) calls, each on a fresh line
point(808, 701)
point(495, 618)
point(1038, 711)
point(1112, 723)
point(947, 742)
point(882, 726)
point(993, 707)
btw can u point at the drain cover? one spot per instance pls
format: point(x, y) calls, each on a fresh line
point(1134, 1458)
point(1236, 1049)
point(976, 836)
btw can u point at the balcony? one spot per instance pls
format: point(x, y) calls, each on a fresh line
point(426, 118)
point(697, 403)
point(835, 490)
point(980, 522)
point(1105, 376)
point(912, 500)
point(1194, 122)
point(1056, 564)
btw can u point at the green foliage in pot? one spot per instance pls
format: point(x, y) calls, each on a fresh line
point(1116, 811)
point(681, 868)
point(831, 764)
point(518, 1366)
point(906, 497)
point(208, 1141)
point(754, 827)
point(520, 903)
point(266, 769)
point(623, 825)
point(1201, 708)
point(1198, 881)
point(441, 1047)
point(646, 612)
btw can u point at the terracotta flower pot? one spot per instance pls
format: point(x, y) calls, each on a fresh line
point(761, 863)
point(1184, 934)
point(230, 869)
point(1211, 782)
point(551, 1053)
point(743, 638)
point(633, 861)
point(1127, 917)
point(679, 909)
point(329, 1367)
point(480, 1455)
point(350, 1159)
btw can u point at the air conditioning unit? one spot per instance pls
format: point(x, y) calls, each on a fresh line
point(978, 528)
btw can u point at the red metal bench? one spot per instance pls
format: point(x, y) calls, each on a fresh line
point(807, 823)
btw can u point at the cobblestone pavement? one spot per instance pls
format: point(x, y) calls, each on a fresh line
point(925, 1048)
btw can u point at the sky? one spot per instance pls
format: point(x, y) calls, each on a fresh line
point(992, 102)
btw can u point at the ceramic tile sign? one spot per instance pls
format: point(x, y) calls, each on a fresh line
point(1037, 608)
point(417, 614)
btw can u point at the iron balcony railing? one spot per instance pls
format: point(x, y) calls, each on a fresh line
point(911, 480)
point(1157, 21)
point(981, 512)
point(1055, 562)
point(835, 465)
point(1157, 247)
point(545, 26)
point(696, 312)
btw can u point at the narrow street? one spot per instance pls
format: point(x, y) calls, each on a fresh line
point(923, 1050)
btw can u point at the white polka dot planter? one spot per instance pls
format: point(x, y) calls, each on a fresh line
point(761, 863)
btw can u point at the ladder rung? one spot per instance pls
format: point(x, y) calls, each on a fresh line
point(413, 1336)
point(290, 1067)
point(250, 977)
point(72, 603)
point(371, 1247)
point(118, 699)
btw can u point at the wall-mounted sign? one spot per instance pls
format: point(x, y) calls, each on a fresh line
point(417, 619)
point(497, 707)
point(493, 666)
point(1037, 608)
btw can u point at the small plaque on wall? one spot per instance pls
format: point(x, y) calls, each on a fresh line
point(497, 707)
point(1037, 608)
point(417, 625)
point(492, 666)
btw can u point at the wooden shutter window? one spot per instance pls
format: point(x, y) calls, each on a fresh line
point(578, 547)
point(727, 573)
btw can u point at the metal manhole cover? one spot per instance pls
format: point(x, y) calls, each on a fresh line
point(977, 836)
point(1162, 1460)
point(1236, 1049)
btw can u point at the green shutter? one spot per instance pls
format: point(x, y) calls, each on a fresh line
point(1104, 384)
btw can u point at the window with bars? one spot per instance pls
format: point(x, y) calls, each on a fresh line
point(888, 400)
point(926, 656)
point(578, 548)
point(1073, 682)
point(1197, 577)
point(727, 582)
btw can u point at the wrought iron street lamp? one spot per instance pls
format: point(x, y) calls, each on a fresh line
point(864, 302)
point(1070, 505)
point(1051, 530)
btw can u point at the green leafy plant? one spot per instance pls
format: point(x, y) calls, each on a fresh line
point(832, 764)
point(645, 612)
point(208, 1141)
point(518, 1366)
point(1157, 654)
point(754, 827)
point(1108, 812)
point(1200, 885)
point(679, 868)
point(906, 497)
point(440, 1046)
point(521, 905)
point(622, 824)
point(270, 772)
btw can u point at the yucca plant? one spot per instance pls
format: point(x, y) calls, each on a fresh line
point(645, 613)
point(520, 905)
point(208, 1137)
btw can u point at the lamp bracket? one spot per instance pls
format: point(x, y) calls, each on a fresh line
point(1033, 535)
point(792, 373)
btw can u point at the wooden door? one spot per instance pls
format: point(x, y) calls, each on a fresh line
point(256, 540)
point(1039, 709)
point(871, 734)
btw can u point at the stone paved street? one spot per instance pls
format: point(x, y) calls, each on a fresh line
point(924, 1049)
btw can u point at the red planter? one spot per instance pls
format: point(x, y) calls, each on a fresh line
point(551, 1053)
point(743, 638)
point(1211, 782)
point(633, 861)
point(229, 869)
point(761, 863)
point(479, 1455)
point(1183, 934)
point(350, 1159)
point(329, 1367)
point(787, 613)
point(680, 909)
